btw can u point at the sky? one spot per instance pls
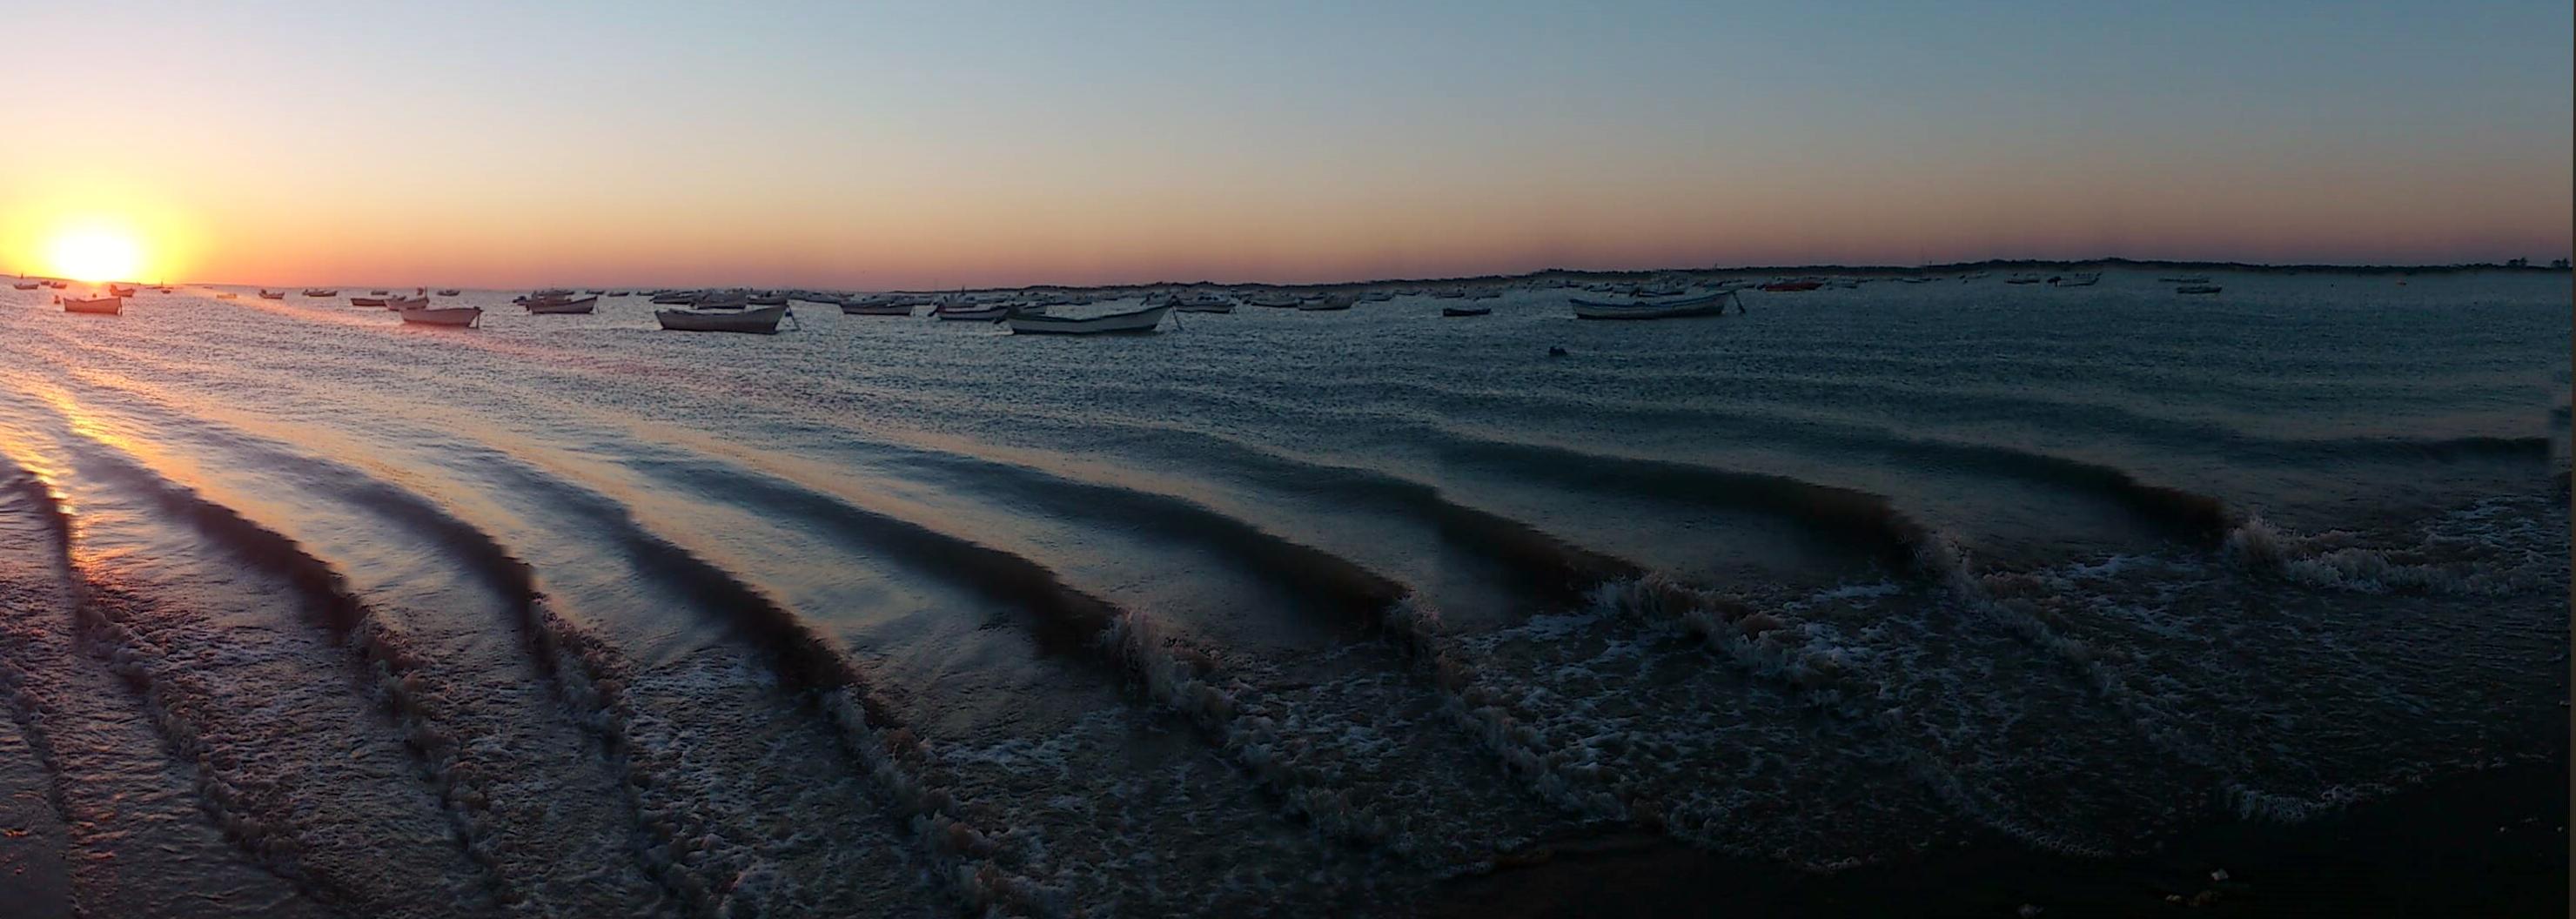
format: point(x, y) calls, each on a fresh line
point(900, 145)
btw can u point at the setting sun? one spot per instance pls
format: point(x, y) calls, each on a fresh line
point(94, 255)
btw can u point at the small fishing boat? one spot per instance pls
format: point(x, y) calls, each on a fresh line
point(115, 291)
point(1272, 299)
point(877, 306)
point(1792, 286)
point(405, 303)
point(1706, 305)
point(453, 316)
point(266, 294)
point(227, 296)
point(321, 292)
point(30, 285)
point(57, 285)
point(450, 292)
point(1202, 303)
point(762, 321)
point(378, 293)
point(765, 300)
point(971, 313)
point(2198, 289)
point(1129, 323)
point(675, 298)
point(2023, 279)
point(103, 306)
point(560, 306)
point(1329, 302)
point(2075, 280)
point(377, 301)
point(2187, 279)
point(1454, 311)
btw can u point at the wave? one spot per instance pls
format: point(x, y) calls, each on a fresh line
point(2493, 548)
point(399, 677)
point(891, 756)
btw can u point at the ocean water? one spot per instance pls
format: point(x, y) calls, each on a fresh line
point(308, 613)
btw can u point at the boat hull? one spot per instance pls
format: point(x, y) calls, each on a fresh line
point(102, 306)
point(1710, 305)
point(562, 307)
point(1130, 323)
point(876, 309)
point(1466, 311)
point(763, 321)
point(449, 316)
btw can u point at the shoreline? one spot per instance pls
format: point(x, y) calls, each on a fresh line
point(2486, 843)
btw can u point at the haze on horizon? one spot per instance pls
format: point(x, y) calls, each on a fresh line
point(969, 144)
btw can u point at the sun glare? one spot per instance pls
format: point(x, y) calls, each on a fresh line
point(95, 255)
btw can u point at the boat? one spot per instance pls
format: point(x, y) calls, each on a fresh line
point(2198, 289)
point(458, 316)
point(2023, 279)
point(367, 301)
point(1202, 303)
point(115, 291)
point(1792, 286)
point(765, 300)
point(450, 292)
point(675, 298)
point(31, 285)
point(877, 306)
point(104, 306)
point(560, 306)
point(1705, 305)
point(2192, 279)
point(57, 285)
point(227, 296)
point(762, 321)
point(321, 292)
point(378, 293)
point(2075, 280)
point(405, 303)
point(266, 294)
point(1329, 303)
point(971, 313)
point(1272, 299)
point(1454, 311)
point(1131, 322)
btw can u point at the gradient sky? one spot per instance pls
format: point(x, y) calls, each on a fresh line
point(902, 145)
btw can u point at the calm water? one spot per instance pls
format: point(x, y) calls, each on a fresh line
point(312, 614)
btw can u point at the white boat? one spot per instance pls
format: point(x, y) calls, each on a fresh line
point(1706, 305)
point(1130, 322)
point(399, 304)
point(462, 316)
point(1329, 302)
point(560, 306)
point(1272, 299)
point(978, 313)
point(877, 306)
point(105, 306)
point(1203, 303)
point(763, 321)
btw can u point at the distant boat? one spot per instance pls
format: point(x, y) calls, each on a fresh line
point(57, 285)
point(619, 293)
point(1792, 286)
point(1130, 322)
point(762, 321)
point(1272, 299)
point(560, 306)
point(1706, 305)
point(115, 291)
point(31, 285)
point(2023, 279)
point(266, 294)
point(227, 296)
point(2198, 289)
point(675, 298)
point(2194, 279)
point(765, 300)
point(457, 316)
point(1202, 303)
point(2075, 280)
point(1466, 311)
point(877, 306)
point(1329, 303)
point(321, 292)
point(368, 301)
point(405, 303)
point(104, 306)
point(595, 292)
point(450, 292)
point(982, 313)
point(378, 293)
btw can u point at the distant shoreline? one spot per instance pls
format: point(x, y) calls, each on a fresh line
point(1611, 273)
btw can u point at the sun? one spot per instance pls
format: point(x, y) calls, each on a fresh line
point(95, 255)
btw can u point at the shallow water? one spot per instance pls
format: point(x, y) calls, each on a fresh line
point(310, 613)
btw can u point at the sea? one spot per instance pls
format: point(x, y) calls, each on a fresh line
point(308, 613)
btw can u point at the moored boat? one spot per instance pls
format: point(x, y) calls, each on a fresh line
point(762, 321)
point(2075, 280)
point(30, 285)
point(116, 291)
point(266, 294)
point(1130, 322)
point(878, 306)
point(104, 306)
point(1454, 311)
point(450, 292)
point(321, 292)
point(367, 301)
point(1706, 305)
point(987, 312)
point(1329, 303)
point(454, 316)
point(405, 303)
point(1792, 286)
point(561, 306)
point(2200, 289)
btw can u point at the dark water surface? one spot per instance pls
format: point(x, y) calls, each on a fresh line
point(312, 614)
